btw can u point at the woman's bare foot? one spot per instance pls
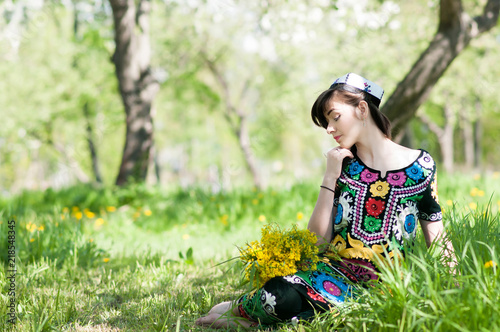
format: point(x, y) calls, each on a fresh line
point(223, 315)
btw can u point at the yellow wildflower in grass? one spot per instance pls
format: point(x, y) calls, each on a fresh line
point(473, 205)
point(110, 208)
point(476, 192)
point(98, 222)
point(223, 219)
point(185, 237)
point(89, 214)
point(490, 264)
point(262, 218)
point(32, 240)
point(91, 240)
point(136, 215)
point(75, 209)
point(477, 176)
point(78, 215)
point(65, 210)
point(300, 215)
point(147, 212)
point(279, 253)
point(31, 227)
point(105, 260)
point(41, 228)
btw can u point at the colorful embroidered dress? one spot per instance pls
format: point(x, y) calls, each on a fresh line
point(372, 215)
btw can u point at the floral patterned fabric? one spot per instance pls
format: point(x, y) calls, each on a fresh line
point(375, 213)
point(372, 215)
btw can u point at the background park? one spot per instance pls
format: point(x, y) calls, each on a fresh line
point(142, 142)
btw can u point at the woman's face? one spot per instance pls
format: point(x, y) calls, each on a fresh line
point(344, 122)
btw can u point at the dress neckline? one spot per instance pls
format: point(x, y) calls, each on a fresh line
point(361, 162)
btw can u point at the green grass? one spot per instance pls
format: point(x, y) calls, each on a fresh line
point(146, 259)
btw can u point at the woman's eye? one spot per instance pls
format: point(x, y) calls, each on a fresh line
point(336, 118)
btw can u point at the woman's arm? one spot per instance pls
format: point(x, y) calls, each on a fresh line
point(320, 222)
point(434, 231)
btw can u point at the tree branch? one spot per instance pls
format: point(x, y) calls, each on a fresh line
point(429, 123)
point(489, 18)
point(450, 14)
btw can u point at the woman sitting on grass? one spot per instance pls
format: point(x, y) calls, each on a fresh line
point(372, 195)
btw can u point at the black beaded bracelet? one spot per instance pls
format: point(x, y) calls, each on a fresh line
point(333, 191)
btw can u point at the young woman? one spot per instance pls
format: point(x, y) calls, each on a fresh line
point(372, 194)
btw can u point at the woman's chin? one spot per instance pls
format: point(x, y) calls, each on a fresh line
point(345, 146)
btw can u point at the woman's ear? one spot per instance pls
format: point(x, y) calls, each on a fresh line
point(364, 109)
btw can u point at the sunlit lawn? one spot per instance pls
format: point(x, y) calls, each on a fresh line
point(145, 259)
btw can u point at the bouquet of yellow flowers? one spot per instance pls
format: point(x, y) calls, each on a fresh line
point(279, 253)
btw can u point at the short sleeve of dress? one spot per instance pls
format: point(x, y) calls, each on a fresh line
point(428, 207)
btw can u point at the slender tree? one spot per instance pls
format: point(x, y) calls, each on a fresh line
point(455, 31)
point(136, 83)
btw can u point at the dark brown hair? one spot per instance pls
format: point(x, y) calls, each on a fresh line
point(351, 96)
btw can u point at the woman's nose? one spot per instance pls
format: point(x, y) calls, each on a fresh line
point(330, 129)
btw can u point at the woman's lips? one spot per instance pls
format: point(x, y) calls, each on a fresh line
point(337, 138)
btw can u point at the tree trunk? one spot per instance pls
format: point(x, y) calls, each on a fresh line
point(478, 135)
point(236, 118)
point(444, 136)
point(90, 141)
point(468, 137)
point(456, 30)
point(137, 85)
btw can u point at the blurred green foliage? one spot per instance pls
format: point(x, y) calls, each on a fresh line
point(282, 54)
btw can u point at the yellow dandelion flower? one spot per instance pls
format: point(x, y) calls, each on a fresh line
point(91, 240)
point(480, 193)
point(32, 240)
point(89, 214)
point(477, 176)
point(223, 219)
point(99, 222)
point(147, 212)
point(262, 218)
point(63, 217)
point(185, 237)
point(41, 228)
point(110, 208)
point(449, 202)
point(65, 209)
point(473, 205)
point(300, 215)
point(255, 201)
point(136, 215)
point(473, 192)
point(490, 264)
point(78, 215)
point(75, 209)
point(105, 260)
point(31, 227)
